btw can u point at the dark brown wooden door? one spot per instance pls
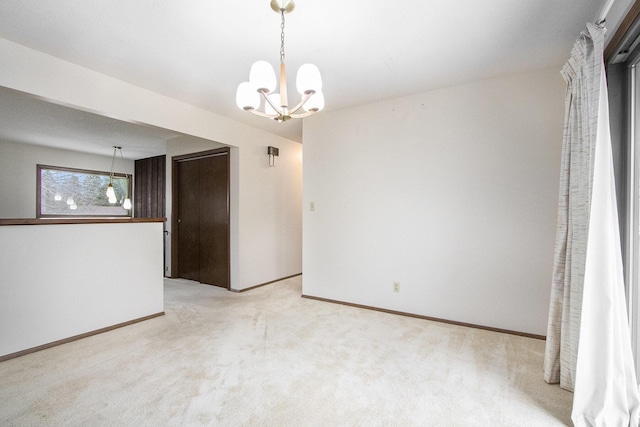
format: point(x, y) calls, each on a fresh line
point(202, 223)
point(188, 229)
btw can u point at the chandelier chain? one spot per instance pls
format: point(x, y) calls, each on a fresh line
point(282, 37)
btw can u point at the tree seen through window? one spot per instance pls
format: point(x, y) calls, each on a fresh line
point(75, 192)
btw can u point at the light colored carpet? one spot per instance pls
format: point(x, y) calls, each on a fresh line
point(270, 358)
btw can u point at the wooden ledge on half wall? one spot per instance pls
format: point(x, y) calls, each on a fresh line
point(52, 221)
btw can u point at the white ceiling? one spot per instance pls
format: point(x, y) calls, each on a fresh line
point(367, 51)
point(34, 121)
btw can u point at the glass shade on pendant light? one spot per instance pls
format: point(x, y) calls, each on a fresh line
point(70, 201)
point(262, 77)
point(57, 197)
point(73, 207)
point(308, 79)
point(315, 103)
point(127, 204)
point(247, 97)
point(111, 193)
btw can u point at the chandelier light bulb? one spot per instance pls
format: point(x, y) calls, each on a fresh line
point(262, 77)
point(247, 98)
point(308, 79)
point(111, 193)
point(73, 206)
point(315, 103)
point(127, 204)
point(57, 197)
point(70, 201)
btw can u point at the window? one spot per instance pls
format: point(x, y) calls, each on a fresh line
point(623, 75)
point(81, 193)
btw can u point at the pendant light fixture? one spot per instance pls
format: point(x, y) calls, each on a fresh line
point(111, 194)
point(262, 83)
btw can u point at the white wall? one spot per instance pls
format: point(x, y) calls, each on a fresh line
point(59, 281)
point(270, 220)
point(266, 214)
point(452, 193)
point(268, 224)
point(18, 173)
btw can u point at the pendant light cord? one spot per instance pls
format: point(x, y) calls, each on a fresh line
point(124, 166)
point(113, 159)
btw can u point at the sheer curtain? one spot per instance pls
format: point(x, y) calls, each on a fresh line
point(588, 346)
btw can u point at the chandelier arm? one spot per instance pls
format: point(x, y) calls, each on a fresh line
point(297, 107)
point(302, 115)
point(276, 109)
point(261, 114)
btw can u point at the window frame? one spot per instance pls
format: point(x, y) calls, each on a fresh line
point(40, 167)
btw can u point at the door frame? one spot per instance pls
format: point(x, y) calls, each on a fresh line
point(175, 203)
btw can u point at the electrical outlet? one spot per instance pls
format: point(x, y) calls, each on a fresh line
point(396, 286)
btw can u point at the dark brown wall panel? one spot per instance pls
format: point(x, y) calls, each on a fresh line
point(149, 194)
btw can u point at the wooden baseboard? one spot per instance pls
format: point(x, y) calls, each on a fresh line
point(433, 319)
point(77, 337)
point(265, 284)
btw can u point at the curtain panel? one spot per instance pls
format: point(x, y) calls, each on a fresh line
point(588, 349)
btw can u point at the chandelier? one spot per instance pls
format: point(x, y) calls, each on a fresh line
point(111, 193)
point(262, 84)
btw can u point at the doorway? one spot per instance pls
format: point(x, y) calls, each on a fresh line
point(200, 217)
